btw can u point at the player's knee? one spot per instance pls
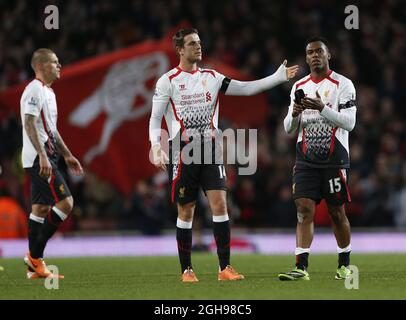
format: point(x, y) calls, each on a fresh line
point(66, 205)
point(44, 210)
point(41, 210)
point(304, 218)
point(186, 216)
point(219, 207)
point(69, 204)
point(338, 216)
point(186, 211)
point(305, 208)
point(305, 211)
point(218, 204)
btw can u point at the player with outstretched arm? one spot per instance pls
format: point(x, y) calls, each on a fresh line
point(187, 96)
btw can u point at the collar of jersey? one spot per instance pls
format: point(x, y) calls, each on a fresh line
point(320, 80)
point(191, 72)
point(43, 83)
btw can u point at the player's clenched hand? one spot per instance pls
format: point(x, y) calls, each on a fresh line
point(159, 157)
point(74, 165)
point(45, 168)
point(315, 104)
point(297, 109)
point(290, 71)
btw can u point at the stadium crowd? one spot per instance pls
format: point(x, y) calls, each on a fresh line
point(254, 36)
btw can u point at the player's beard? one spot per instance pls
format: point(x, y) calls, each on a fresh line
point(320, 68)
point(195, 59)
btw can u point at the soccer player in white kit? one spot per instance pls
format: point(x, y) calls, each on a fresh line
point(188, 97)
point(323, 118)
point(42, 147)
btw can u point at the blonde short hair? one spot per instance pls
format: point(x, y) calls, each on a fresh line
point(40, 55)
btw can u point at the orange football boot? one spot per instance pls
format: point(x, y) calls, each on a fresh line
point(229, 273)
point(189, 276)
point(40, 268)
point(31, 274)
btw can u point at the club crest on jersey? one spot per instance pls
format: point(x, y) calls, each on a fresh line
point(62, 188)
point(182, 87)
point(326, 93)
point(204, 83)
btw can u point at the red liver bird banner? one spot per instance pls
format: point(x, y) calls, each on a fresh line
point(104, 104)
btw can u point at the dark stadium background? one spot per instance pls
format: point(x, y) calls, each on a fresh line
point(254, 37)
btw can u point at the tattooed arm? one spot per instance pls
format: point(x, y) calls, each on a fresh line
point(72, 163)
point(29, 125)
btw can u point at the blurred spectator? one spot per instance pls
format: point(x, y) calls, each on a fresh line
point(147, 208)
point(13, 219)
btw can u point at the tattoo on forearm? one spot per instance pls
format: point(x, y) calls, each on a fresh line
point(32, 133)
point(60, 144)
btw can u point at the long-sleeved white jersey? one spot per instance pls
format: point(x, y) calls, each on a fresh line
point(190, 100)
point(323, 136)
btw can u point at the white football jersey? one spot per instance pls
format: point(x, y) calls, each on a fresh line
point(320, 142)
point(38, 100)
point(188, 100)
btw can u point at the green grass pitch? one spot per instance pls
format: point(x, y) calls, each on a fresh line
point(381, 276)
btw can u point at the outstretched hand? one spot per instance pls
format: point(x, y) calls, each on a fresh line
point(290, 71)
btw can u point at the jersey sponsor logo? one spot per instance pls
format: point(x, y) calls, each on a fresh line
point(208, 96)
